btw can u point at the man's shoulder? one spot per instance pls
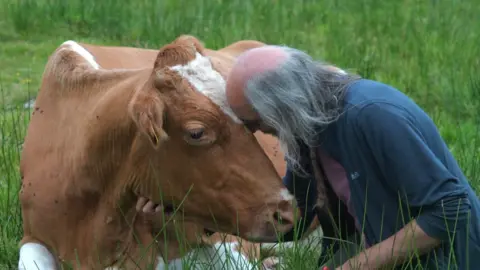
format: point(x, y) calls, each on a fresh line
point(367, 97)
point(364, 92)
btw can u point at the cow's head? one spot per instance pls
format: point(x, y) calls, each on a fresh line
point(192, 151)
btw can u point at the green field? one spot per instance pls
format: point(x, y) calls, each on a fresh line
point(428, 49)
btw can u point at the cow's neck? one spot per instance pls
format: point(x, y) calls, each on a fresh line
point(140, 175)
point(109, 144)
point(110, 149)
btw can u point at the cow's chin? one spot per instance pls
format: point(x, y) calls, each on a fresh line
point(259, 232)
point(262, 236)
point(258, 236)
point(208, 232)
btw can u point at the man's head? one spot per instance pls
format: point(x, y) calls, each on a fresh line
point(283, 91)
point(248, 65)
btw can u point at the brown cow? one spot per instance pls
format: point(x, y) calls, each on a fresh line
point(127, 57)
point(193, 234)
point(125, 123)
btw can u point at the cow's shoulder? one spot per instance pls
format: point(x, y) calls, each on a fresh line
point(237, 48)
point(69, 63)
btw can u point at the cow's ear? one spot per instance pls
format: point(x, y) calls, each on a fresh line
point(191, 41)
point(148, 112)
point(166, 80)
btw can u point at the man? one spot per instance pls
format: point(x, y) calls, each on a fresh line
point(364, 158)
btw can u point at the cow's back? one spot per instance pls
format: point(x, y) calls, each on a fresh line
point(115, 57)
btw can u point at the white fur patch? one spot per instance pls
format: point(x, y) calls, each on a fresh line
point(225, 255)
point(286, 195)
point(35, 256)
point(312, 241)
point(221, 256)
point(200, 73)
point(337, 69)
point(341, 71)
point(74, 46)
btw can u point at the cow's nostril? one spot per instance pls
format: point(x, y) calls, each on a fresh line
point(168, 208)
point(208, 232)
point(277, 217)
point(282, 217)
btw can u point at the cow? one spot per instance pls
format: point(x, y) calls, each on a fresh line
point(122, 122)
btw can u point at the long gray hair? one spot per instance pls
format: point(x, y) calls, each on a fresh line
point(298, 99)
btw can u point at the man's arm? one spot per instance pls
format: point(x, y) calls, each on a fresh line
point(393, 251)
point(411, 168)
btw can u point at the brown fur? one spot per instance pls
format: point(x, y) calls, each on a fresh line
point(100, 138)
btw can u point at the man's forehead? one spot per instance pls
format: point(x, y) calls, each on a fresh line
point(261, 59)
point(250, 63)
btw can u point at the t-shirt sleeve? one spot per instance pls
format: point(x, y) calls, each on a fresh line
point(411, 168)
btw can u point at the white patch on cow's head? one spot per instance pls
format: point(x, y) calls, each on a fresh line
point(200, 73)
point(74, 46)
point(286, 195)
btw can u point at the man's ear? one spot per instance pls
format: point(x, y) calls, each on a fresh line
point(148, 112)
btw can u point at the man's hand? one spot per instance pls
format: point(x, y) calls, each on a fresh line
point(148, 207)
point(393, 251)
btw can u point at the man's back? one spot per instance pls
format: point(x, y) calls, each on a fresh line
point(392, 150)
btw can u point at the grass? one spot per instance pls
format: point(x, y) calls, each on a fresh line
point(428, 49)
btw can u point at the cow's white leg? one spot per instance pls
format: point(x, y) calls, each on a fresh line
point(172, 265)
point(225, 255)
point(221, 256)
point(177, 264)
point(161, 265)
point(271, 263)
point(34, 256)
point(313, 239)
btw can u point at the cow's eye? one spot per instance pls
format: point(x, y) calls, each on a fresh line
point(196, 134)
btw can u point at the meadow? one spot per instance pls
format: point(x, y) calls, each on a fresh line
point(427, 49)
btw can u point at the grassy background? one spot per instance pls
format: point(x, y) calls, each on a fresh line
point(428, 49)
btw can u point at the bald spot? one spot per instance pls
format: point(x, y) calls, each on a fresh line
point(250, 63)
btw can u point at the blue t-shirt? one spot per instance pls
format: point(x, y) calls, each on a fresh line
point(399, 169)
